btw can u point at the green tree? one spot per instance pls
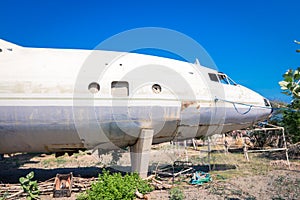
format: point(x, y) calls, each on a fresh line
point(291, 116)
point(291, 121)
point(291, 83)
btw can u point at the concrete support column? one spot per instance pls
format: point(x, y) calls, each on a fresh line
point(140, 152)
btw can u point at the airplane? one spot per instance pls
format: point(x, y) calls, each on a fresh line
point(65, 100)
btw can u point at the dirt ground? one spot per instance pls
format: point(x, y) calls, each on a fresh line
point(263, 177)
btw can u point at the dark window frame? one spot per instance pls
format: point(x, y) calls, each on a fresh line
point(213, 77)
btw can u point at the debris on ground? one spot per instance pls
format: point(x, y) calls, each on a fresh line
point(158, 185)
point(63, 185)
point(200, 177)
point(46, 187)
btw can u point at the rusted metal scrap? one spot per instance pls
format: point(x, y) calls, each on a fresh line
point(63, 185)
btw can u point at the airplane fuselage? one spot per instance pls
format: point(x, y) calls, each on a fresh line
point(59, 100)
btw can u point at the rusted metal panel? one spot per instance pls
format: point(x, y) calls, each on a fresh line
point(63, 185)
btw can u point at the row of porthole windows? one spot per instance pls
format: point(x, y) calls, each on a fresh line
point(119, 88)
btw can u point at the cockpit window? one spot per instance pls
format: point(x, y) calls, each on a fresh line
point(231, 81)
point(225, 79)
point(222, 78)
point(213, 77)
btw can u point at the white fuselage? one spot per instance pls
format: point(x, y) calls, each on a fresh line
point(56, 100)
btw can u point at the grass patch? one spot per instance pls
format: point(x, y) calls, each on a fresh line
point(54, 162)
point(176, 194)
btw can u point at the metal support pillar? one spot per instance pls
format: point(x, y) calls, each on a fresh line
point(140, 152)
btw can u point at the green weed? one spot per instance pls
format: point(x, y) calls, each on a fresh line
point(117, 187)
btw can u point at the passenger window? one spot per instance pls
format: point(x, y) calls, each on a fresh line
point(213, 77)
point(156, 88)
point(94, 87)
point(119, 88)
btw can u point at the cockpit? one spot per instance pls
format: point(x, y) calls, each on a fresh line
point(221, 78)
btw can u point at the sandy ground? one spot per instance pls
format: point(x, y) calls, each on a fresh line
point(233, 177)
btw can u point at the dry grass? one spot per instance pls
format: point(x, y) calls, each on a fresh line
point(233, 176)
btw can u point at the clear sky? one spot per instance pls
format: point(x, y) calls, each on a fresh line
point(251, 41)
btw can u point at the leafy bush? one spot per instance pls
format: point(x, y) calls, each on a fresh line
point(291, 121)
point(116, 187)
point(29, 186)
point(176, 194)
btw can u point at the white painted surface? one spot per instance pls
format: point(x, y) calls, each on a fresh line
point(38, 82)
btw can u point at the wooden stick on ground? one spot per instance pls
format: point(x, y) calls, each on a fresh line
point(15, 195)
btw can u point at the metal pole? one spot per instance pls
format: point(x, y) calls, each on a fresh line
point(286, 149)
point(208, 153)
point(185, 151)
point(246, 152)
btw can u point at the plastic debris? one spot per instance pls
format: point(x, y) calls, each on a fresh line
point(200, 177)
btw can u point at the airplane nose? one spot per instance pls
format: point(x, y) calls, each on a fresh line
point(268, 104)
point(272, 108)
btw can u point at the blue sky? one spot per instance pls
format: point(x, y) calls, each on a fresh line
point(251, 41)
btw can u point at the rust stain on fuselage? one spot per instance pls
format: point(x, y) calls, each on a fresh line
point(186, 104)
